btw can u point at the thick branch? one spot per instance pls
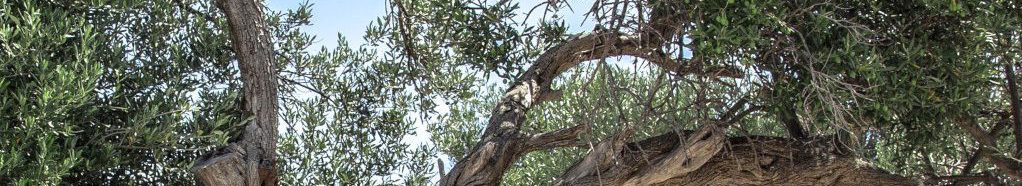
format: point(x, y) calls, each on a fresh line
point(963, 180)
point(759, 160)
point(599, 161)
point(988, 144)
point(699, 148)
point(561, 138)
point(501, 142)
point(753, 160)
point(789, 118)
point(602, 164)
point(1016, 107)
point(974, 158)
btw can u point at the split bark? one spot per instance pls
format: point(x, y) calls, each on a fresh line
point(750, 160)
point(252, 160)
point(763, 160)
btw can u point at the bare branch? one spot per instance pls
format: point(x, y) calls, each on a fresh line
point(566, 137)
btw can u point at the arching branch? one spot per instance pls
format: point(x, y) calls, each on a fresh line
point(502, 141)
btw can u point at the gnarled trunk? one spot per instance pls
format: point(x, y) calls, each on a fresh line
point(252, 160)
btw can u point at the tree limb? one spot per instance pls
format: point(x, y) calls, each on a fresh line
point(1016, 106)
point(501, 143)
point(988, 144)
point(566, 137)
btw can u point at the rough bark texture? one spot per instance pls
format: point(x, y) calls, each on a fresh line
point(252, 160)
point(652, 161)
point(753, 160)
point(502, 142)
point(760, 160)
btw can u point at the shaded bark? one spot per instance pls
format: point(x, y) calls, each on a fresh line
point(789, 117)
point(252, 160)
point(654, 160)
point(1016, 111)
point(761, 160)
point(752, 160)
point(988, 148)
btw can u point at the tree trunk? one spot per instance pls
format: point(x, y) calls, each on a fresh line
point(252, 160)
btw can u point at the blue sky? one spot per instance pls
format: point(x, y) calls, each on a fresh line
point(330, 17)
point(350, 17)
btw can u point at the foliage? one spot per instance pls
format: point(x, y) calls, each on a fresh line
point(133, 92)
point(42, 92)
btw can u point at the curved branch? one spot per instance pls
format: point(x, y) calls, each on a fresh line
point(567, 137)
point(502, 141)
point(988, 149)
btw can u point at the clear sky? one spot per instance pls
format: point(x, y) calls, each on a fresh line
point(350, 17)
point(330, 17)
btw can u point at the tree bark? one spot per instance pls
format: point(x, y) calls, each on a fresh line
point(762, 160)
point(749, 160)
point(789, 116)
point(1016, 112)
point(502, 142)
point(252, 160)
